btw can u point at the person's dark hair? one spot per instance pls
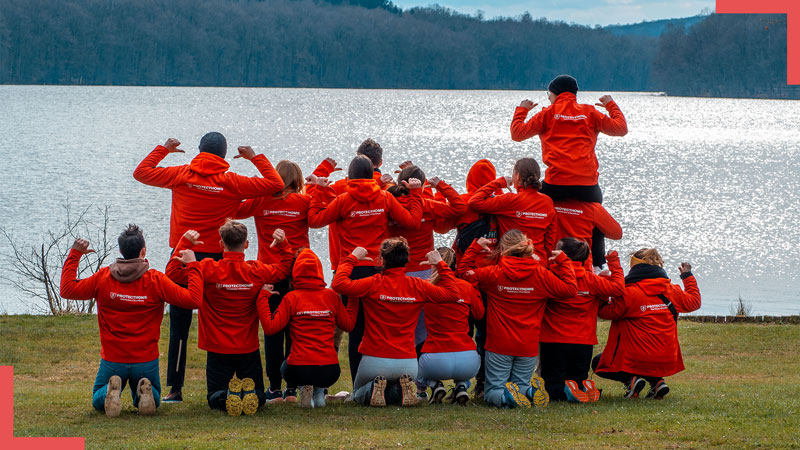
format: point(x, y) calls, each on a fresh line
point(406, 174)
point(233, 234)
point(292, 178)
point(394, 252)
point(371, 150)
point(529, 173)
point(563, 83)
point(360, 168)
point(131, 242)
point(214, 143)
point(575, 249)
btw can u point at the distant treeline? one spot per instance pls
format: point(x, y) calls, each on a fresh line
point(373, 44)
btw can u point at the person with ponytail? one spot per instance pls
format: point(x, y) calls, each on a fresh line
point(569, 326)
point(449, 353)
point(527, 210)
point(518, 287)
point(643, 341)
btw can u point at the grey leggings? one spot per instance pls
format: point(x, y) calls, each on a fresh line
point(389, 368)
point(456, 366)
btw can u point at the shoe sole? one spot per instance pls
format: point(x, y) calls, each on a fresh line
point(661, 392)
point(250, 399)
point(591, 391)
point(438, 395)
point(574, 394)
point(233, 403)
point(147, 404)
point(409, 390)
point(378, 388)
point(290, 399)
point(636, 388)
point(462, 398)
point(306, 392)
point(520, 399)
point(112, 404)
point(540, 396)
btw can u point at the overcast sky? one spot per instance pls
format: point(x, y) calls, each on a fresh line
point(587, 12)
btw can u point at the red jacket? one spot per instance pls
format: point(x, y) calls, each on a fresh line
point(574, 320)
point(568, 131)
point(290, 214)
point(129, 312)
point(312, 313)
point(392, 302)
point(228, 317)
point(204, 193)
point(528, 211)
point(362, 215)
point(578, 219)
point(420, 240)
point(517, 290)
point(448, 324)
point(643, 338)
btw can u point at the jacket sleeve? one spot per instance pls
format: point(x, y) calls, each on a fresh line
point(407, 218)
point(476, 307)
point(520, 130)
point(616, 309)
point(447, 288)
point(173, 294)
point(324, 169)
point(344, 285)
point(687, 300)
point(606, 223)
point(273, 323)
point(252, 187)
point(71, 287)
point(454, 207)
point(324, 207)
point(614, 124)
point(175, 270)
point(559, 279)
point(148, 172)
point(551, 235)
point(272, 273)
point(345, 316)
point(467, 269)
point(613, 287)
point(484, 201)
point(247, 209)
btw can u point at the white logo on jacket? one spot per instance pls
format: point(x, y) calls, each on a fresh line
point(200, 187)
point(324, 313)
point(531, 215)
point(234, 287)
point(570, 211)
point(563, 117)
point(657, 307)
point(128, 297)
point(367, 213)
point(515, 289)
point(281, 213)
point(389, 298)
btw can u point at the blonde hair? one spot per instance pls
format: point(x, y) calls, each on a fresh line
point(292, 178)
point(647, 256)
point(449, 258)
point(514, 243)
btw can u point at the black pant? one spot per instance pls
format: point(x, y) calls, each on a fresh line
point(480, 341)
point(220, 368)
point(357, 334)
point(180, 320)
point(277, 346)
point(622, 377)
point(561, 362)
point(317, 376)
point(591, 194)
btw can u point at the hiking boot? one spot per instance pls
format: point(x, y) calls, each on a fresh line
point(378, 389)
point(147, 404)
point(573, 392)
point(274, 396)
point(537, 393)
point(409, 390)
point(249, 397)
point(290, 395)
point(513, 398)
point(460, 395)
point(634, 386)
point(233, 403)
point(113, 392)
point(479, 389)
point(318, 398)
point(306, 392)
point(591, 390)
point(438, 392)
point(658, 391)
point(174, 396)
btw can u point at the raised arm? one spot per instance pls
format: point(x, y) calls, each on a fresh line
point(247, 208)
point(71, 287)
point(251, 187)
point(521, 130)
point(603, 287)
point(407, 218)
point(149, 173)
point(614, 123)
point(272, 273)
point(476, 308)
point(342, 282)
point(484, 200)
point(176, 270)
point(615, 309)
point(687, 300)
point(272, 323)
point(455, 205)
point(324, 207)
point(345, 316)
point(173, 294)
point(559, 279)
point(606, 223)
point(447, 288)
point(467, 267)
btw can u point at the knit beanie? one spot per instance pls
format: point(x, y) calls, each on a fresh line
point(563, 83)
point(214, 143)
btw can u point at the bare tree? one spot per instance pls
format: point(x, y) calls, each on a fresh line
point(35, 270)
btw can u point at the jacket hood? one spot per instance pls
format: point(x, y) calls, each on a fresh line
point(652, 279)
point(363, 190)
point(566, 97)
point(208, 164)
point(481, 173)
point(580, 270)
point(307, 271)
point(128, 270)
point(516, 268)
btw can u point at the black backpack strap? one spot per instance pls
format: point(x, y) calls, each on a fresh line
point(670, 306)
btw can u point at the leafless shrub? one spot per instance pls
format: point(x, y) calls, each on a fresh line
point(741, 308)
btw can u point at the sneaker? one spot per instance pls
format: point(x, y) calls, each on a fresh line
point(339, 396)
point(451, 395)
point(574, 394)
point(422, 396)
point(113, 391)
point(438, 393)
point(249, 397)
point(514, 398)
point(634, 386)
point(147, 404)
point(538, 394)
point(174, 396)
point(378, 388)
point(658, 391)
point(274, 396)
point(409, 390)
point(233, 403)
point(318, 398)
point(479, 389)
point(460, 395)
point(290, 395)
point(306, 392)
point(591, 390)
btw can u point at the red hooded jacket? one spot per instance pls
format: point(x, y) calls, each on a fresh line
point(362, 215)
point(517, 290)
point(578, 219)
point(568, 131)
point(312, 313)
point(528, 211)
point(643, 338)
point(448, 324)
point(228, 317)
point(130, 304)
point(574, 320)
point(289, 214)
point(392, 302)
point(204, 193)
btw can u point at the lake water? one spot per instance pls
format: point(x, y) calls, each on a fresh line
point(712, 181)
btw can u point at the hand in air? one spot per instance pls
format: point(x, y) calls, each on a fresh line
point(193, 237)
point(82, 245)
point(361, 254)
point(434, 257)
point(172, 145)
point(527, 104)
point(509, 183)
point(403, 165)
point(612, 254)
point(434, 181)
point(246, 152)
point(278, 236)
point(387, 179)
point(605, 100)
point(685, 267)
point(333, 164)
point(270, 289)
point(484, 243)
point(412, 183)
point(186, 256)
point(555, 254)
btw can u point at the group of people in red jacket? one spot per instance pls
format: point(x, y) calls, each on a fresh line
point(522, 285)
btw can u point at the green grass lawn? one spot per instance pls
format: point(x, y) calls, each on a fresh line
point(741, 389)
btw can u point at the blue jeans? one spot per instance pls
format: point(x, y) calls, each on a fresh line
point(500, 369)
point(456, 366)
point(129, 373)
point(420, 332)
point(389, 368)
